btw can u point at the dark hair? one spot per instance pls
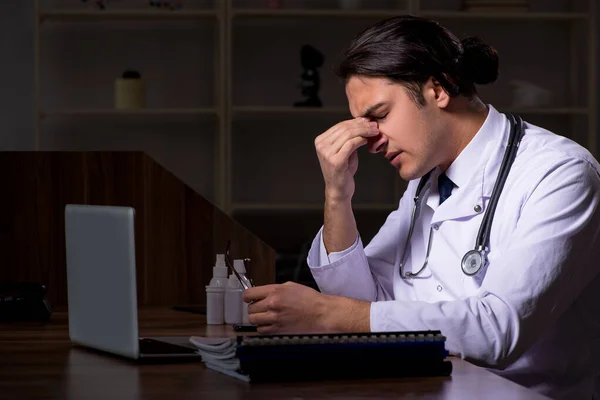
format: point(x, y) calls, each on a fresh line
point(410, 50)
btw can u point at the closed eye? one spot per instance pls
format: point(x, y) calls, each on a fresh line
point(379, 118)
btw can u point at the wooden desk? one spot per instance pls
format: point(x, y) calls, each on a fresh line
point(38, 362)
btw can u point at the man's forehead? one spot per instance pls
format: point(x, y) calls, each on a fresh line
point(366, 95)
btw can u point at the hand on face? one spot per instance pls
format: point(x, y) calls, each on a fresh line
point(336, 150)
point(289, 307)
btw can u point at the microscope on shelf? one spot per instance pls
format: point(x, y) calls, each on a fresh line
point(311, 59)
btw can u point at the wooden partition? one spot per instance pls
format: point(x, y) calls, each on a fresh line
point(178, 232)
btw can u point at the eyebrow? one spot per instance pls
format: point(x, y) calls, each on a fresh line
point(370, 110)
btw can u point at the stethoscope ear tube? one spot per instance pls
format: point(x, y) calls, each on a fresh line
point(516, 133)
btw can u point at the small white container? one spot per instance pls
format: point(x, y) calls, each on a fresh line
point(215, 300)
point(220, 270)
point(233, 301)
point(215, 293)
point(240, 267)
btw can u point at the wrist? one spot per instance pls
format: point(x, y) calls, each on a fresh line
point(343, 314)
point(334, 198)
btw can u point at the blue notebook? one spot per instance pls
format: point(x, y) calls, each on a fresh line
point(270, 358)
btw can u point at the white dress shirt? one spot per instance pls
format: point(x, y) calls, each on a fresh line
point(533, 315)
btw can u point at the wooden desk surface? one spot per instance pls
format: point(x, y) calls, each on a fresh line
point(38, 362)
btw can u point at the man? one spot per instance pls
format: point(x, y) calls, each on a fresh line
point(532, 313)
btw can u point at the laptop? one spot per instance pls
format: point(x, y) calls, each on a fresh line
point(101, 284)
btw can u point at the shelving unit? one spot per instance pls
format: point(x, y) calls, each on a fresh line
point(147, 112)
point(362, 14)
point(262, 156)
point(254, 16)
point(197, 115)
point(316, 13)
point(289, 110)
point(548, 16)
point(345, 111)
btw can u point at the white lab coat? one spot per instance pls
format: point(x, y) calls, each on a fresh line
point(533, 315)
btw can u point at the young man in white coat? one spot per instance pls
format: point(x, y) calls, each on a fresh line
point(531, 311)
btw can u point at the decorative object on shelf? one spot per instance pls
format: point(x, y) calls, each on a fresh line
point(496, 5)
point(169, 5)
point(130, 92)
point(529, 95)
point(311, 59)
point(349, 4)
point(274, 4)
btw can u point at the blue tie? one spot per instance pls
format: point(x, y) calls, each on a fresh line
point(445, 186)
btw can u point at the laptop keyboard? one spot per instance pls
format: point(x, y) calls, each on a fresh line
point(152, 346)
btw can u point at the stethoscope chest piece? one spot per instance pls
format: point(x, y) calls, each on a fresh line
point(472, 262)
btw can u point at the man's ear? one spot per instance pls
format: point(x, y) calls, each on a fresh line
point(435, 94)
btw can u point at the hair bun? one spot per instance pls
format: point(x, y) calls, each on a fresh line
point(479, 61)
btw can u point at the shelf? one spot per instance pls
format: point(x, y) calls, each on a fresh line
point(362, 13)
point(317, 13)
point(344, 110)
point(125, 14)
point(236, 207)
point(567, 16)
point(108, 112)
point(289, 110)
point(298, 12)
point(545, 111)
point(268, 110)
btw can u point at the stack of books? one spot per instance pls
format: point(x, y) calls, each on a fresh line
point(495, 5)
point(272, 358)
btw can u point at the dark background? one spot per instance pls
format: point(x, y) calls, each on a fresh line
point(220, 90)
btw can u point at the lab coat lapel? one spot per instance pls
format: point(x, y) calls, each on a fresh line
point(462, 204)
point(472, 198)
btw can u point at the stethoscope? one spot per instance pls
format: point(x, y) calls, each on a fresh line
point(474, 259)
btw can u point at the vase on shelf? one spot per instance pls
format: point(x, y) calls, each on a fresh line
point(495, 5)
point(130, 91)
point(526, 94)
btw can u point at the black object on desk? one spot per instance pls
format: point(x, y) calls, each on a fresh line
point(244, 328)
point(24, 302)
point(270, 358)
point(292, 357)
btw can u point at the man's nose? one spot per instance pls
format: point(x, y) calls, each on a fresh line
point(377, 143)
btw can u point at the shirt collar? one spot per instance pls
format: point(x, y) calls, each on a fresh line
point(468, 168)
